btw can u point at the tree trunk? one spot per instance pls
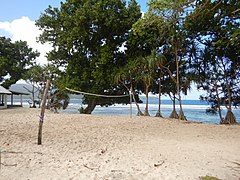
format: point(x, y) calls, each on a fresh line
point(90, 107)
point(138, 108)
point(181, 113)
point(229, 118)
point(174, 114)
point(146, 113)
point(158, 114)
point(219, 105)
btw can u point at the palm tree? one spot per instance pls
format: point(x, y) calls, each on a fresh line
point(158, 60)
point(146, 78)
point(176, 79)
point(145, 74)
point(124, 76)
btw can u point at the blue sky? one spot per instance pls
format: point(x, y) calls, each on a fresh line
point(14, 9)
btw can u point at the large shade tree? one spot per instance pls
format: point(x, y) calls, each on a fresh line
point(88, 37)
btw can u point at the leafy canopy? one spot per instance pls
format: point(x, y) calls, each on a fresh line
point(89, 37)
point(15, 59)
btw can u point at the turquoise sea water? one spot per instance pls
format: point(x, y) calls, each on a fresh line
point(194, 110)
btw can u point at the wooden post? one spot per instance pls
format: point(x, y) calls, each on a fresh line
point(41, 117)
point(12, 99)
point(130, 102)
point(0, 159)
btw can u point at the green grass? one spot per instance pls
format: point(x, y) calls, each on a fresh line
point(208, 178)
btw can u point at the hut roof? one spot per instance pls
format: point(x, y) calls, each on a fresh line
point(19, 93)
point(4, 91)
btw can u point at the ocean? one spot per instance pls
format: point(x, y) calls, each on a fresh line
point(194, 110)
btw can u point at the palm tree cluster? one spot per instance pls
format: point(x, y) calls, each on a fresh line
point(177, 43)
point(152, 73)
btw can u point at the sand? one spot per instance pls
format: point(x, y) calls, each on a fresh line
point(113, 147)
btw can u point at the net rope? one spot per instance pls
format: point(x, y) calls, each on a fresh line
point(98, 95)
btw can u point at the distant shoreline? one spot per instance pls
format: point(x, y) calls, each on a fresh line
point(195, 110)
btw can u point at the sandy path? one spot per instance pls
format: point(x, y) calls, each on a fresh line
point(109, 147)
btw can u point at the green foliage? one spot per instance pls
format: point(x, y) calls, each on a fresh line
point(15, 60)
point(215, 26)
point(88, 37)
point(175, 42)
point(166, 18)
point(58, 96)
point(58, 99)
point(34, 74)
point(208, 178)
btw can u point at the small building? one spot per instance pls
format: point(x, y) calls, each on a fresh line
point(3, 97)
point(17, 94)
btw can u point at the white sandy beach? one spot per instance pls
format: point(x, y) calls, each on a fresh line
point(113, 147)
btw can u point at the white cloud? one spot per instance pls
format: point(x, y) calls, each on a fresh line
point(24, 29)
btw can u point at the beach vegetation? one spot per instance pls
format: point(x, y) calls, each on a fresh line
point(33, 77)
point(88, 39)
point(15, 60)
point(208, 178)
point(109, 48)
point(142, 40)
point(125, 77)
point(145, 75)
point(169, 18)
point(37, 77)
point(158, 61)
point(215, 27)
point(58, 99)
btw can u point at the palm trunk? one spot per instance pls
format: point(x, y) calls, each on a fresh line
point(174, 114)
point(146, 113)
point(158, 114)
point(219, 106)
point(181, 113)
point(229, 118)
point(138, 108)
